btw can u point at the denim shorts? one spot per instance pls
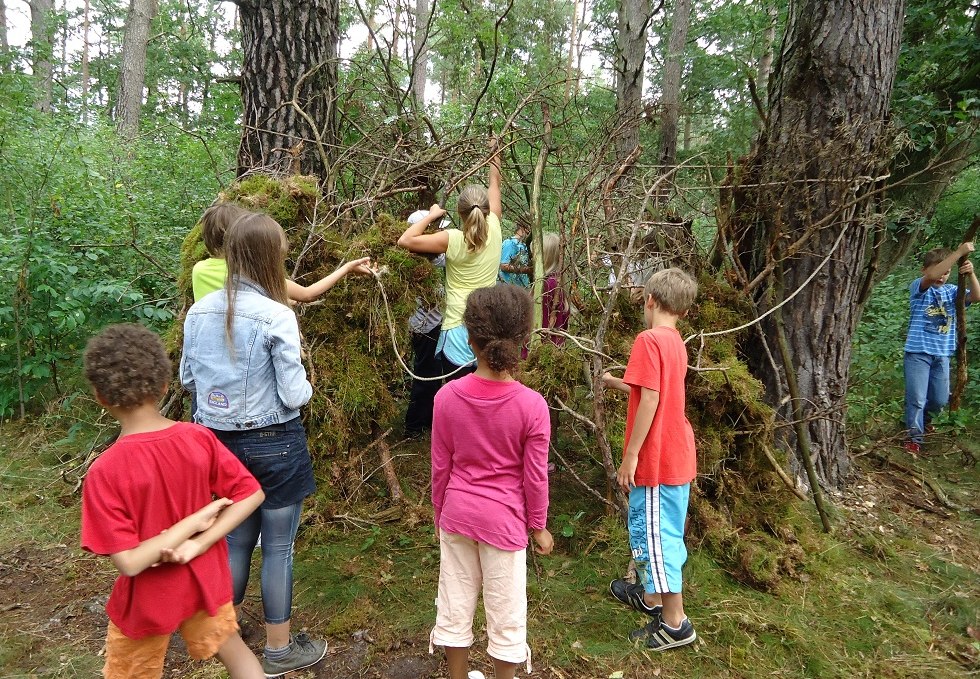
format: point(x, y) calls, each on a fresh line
point(278, 458)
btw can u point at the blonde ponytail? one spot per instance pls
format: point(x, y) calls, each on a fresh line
point(473, 208)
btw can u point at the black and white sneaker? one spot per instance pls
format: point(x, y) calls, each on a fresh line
point(667, 637)
point(632, 596)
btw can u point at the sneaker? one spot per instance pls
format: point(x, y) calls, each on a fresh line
point(648, 629)
point(913, 447)
point(475, 674)
point(665, 637)
point(632, 596)
point(303, 652)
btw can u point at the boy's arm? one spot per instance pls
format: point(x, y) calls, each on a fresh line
point(228, 520)
point(935, 272)
point(615, 383)
point(972, 283)
point(649, 401)
point(308, 293)
point(134, 561)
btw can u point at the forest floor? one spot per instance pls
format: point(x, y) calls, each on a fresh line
point(894, 591)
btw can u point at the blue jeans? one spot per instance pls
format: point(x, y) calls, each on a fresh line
point(926, 390)
point(278, 529)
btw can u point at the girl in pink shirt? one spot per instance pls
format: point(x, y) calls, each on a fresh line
point(490, 438)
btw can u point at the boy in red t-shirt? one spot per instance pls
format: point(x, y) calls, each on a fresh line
point(658, 462)
point(147, 504)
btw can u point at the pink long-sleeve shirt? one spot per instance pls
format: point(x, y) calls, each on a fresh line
point(490, 461)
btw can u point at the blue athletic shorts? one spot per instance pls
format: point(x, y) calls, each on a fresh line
point(656, 525)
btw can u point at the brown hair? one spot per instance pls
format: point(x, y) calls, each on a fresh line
point(473, 207)
point(127, 365)
point(935, 256)
point(215, 223)
point(498, 321)
point(673, 289)
point(255, 249)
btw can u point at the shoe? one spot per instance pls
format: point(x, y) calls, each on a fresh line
point(475, 674)
point(303, 652)
point(665, 637)
point(648, 629)
point(912, 447)
point(930, 429)
point(632, 596)
point(414, 435)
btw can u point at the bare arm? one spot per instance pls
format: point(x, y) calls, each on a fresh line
point(617, 383)
point(226, 522)
point(308, 293)
point(493, 190)
point(649, 402)
point(136, 560)
point(415, 239)
point(934, 273)
point(972, 283)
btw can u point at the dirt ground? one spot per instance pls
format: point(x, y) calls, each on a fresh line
point(57, 593)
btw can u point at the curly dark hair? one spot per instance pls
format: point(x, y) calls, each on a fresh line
point(127, 365)
point(498, 320)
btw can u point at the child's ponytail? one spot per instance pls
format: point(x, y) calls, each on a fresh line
point(473, 207)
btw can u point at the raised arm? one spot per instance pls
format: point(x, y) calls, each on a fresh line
point(415, 239)
point(935, 273)
point(972, 283)
point(136, 560)
point(493, 190)
point(308, 293)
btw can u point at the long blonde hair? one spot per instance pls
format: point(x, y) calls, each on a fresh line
point(474, 207)
point(255, 250)
point(550, 248)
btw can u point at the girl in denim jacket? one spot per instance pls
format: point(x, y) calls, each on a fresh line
point(241, 357)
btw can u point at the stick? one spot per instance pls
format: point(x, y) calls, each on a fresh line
point(961, 366)
point(781, 473)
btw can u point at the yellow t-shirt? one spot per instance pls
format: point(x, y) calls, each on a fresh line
point(468, 271)
point(208, 275)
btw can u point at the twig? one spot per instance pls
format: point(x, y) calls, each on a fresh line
point(578, 478)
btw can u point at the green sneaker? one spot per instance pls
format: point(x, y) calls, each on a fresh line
point(303, 652)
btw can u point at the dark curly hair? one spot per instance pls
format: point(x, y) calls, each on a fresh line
point(498, 320)
point(127, 365)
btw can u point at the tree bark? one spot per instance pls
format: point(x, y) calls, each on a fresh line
point(671, 96)
point(423, 15)
point(86, 27)
point(132, 74)
point(4, 43)
point(41, 50)
point(631, 42)
point(801, 208)
point(289, 81)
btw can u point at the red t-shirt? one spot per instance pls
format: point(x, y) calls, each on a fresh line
point(658, 361)
point(142, 485)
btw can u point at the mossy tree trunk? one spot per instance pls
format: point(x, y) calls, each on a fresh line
point(805, 206)
point(289, 81)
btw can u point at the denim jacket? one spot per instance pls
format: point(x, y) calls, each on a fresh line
point(261, 382)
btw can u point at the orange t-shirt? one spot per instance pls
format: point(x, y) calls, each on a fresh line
point(658, 361)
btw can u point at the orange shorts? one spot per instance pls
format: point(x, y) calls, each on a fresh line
point(127, 658)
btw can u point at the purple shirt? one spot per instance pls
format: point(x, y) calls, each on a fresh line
point(490, 461)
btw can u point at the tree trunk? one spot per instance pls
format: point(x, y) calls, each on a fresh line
point(132, 73)
point(86, 26)
point(570, 72)
point(4, 43)
point(802, 206)
point(671, 97)
point(289, 81)
point(423, 14)
point(41, 50)
point(631, 42)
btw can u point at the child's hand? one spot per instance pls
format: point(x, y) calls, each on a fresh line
point(609, 380)
point(966, 269)
point(184, 552)
point(206, 516)
point(361, 267)
point(544, 541)
point(626, 476)
point(436, 212)
point(966, 248)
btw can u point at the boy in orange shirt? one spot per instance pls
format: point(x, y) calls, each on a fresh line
point(658, 462)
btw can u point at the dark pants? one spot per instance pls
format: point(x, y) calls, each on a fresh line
point(450, 367)
point(418, 417)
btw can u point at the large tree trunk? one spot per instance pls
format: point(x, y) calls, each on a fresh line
point(4, 44)
point(671, 96)
point(804, 200)
point(423, 14)
point(631, 42)
point(289, 80)
point(86, 26)
point(41, 50)
point(132, 74)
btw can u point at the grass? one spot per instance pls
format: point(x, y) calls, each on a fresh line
point(891, 593)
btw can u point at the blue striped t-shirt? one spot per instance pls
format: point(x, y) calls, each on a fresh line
point(932, 325)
